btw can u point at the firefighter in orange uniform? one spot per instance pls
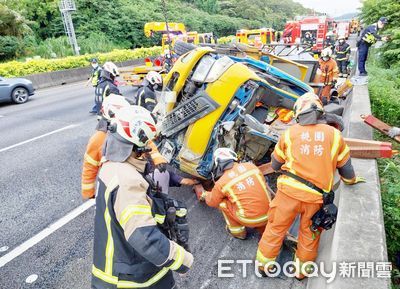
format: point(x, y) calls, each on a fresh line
point(329, 74)
point(240, 193)
point(94, 149)
point(308, 153)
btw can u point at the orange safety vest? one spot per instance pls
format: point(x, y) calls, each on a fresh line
point(312, 152)
point(244, 191)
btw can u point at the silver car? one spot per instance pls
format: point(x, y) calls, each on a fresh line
point(16, 90)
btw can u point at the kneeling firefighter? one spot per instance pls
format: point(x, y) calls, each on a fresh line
point(308, 153)
point(130, 251)
point(240, 192)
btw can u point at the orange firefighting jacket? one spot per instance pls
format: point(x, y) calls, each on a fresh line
point(244, 191)
point(329, 71)
point(312, 152)
point(92, 162)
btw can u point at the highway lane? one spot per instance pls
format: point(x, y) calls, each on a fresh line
point(40, 184)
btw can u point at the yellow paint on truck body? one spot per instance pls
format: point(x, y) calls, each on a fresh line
point(199, 133)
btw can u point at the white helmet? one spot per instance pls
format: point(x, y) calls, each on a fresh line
point(342, 37)
point(135, 125)
point(224, 154)
point(154, 78)
point(111, 104)
point(327, 52)
point(111, 68)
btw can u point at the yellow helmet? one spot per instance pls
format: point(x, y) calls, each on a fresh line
point(306, 103)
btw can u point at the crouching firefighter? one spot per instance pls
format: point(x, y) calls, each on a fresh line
point(130, 251)
point(240, 192)
point(308, 153)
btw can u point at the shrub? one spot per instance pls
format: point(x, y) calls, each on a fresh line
point(98, 42)
point(53, 47)
point(226, 39)
point(9, 47)
point(15, 68)
point(384, 86)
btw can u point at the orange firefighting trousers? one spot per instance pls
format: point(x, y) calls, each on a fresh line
point(326, 92)
point(282, 213)
point(236, 227)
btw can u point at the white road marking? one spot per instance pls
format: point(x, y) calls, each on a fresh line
point(32, 278)
point(39, 137)
point(3, 249)
point(45, 232)
point(1, 116)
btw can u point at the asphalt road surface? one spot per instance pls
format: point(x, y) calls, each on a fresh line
point(41, 148)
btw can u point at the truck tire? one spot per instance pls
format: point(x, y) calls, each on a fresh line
point(181, 47)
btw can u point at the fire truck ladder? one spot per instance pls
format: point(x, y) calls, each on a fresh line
point(67, 7)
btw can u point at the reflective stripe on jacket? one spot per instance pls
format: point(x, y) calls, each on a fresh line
point(146, 98)
point(129, 249)
point(91, 163)
point(244, 191)
point(313, 152)
point(370, 34)
point(95, 76)
point(104, 88)
point(92, 158)
point(342, 52)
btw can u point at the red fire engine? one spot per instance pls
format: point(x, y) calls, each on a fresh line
point(318, 26)
point(291, 31)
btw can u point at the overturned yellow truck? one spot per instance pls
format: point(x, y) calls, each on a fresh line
point(216, 100)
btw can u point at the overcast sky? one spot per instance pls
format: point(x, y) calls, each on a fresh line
point(332, 7)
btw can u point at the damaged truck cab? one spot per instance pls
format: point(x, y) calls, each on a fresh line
point(222, 101)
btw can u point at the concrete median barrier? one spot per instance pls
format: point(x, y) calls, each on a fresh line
point(357, 242)
point(49, 79)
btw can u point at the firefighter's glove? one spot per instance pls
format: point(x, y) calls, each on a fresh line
point(200, 192)
point(189, 182)
point(162, 167)
point(356, 180)
point(360, 179)
point(394, 131)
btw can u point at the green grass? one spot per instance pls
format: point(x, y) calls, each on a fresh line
point(384, 88)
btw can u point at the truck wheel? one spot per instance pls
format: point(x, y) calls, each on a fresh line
point(181, 47)
point(20, 95)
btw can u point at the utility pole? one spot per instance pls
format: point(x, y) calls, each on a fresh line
point(66, 9)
